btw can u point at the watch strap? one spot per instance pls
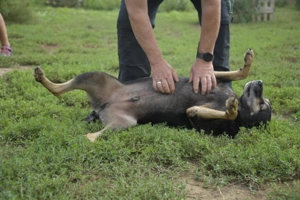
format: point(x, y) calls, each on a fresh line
point(208, 57)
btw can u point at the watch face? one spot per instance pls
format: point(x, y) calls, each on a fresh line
point(207, 57)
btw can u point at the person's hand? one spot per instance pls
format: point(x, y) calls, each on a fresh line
point(163, 76)
point(202, 72)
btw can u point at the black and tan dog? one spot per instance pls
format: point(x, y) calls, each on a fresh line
point(120, 106)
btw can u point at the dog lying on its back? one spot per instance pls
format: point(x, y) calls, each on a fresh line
point(120, 106)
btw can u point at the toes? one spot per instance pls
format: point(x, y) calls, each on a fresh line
point(232, 103)
point(191, 112)
point(232, 108)
point(38, 74)
point(248, 57)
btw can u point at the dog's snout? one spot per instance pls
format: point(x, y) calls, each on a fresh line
point(260, 82)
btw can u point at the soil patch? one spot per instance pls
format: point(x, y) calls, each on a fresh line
point(6, 70)
point(197, 190)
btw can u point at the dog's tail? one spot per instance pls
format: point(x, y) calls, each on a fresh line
point(98, 85)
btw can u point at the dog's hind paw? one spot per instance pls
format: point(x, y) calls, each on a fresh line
point(38, 74)
point(91, 137)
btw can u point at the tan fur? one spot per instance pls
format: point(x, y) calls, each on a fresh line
point(232, 104)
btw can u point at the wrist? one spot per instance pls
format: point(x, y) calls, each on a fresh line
point(154, 59)
point(207, 57)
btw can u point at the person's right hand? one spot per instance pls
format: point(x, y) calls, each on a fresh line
point(163, 76)
point(202, 72)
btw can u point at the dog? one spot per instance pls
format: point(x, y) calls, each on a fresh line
point(122, 105)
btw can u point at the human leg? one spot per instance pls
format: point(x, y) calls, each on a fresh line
point(5, 45)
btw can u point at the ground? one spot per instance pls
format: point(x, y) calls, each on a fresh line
point(197, 189)
point(6, 70)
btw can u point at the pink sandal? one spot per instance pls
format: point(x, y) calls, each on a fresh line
point(6, 51)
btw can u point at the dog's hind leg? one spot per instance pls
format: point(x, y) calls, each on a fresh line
point(240, 74)
point(98, 85)
point(208, 113)
point(117, 122)
point(56, 89)
point(92, 136)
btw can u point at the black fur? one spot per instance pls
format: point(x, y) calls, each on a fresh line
point(150, 106)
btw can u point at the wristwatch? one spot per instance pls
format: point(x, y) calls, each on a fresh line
point(208, 57)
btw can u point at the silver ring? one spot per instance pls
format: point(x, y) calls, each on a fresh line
point(158, 82)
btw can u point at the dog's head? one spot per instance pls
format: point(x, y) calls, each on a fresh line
point(254, 109)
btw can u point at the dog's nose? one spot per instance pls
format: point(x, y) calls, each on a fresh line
point(260, 82)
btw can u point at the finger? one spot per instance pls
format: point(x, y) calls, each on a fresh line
point(214, 81)
point(154, 85)
point(209, 84)
point(191, 77)
point(171, 86)
point(196, 85)
point(159, 87)
point(167, 87)
point(175, 76)
point(203, 86)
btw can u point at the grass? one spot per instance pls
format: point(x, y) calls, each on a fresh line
point(44, 154)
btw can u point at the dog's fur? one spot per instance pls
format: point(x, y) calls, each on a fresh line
point(120, 106)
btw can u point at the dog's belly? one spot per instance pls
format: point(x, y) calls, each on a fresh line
point(179, 119)
point(148, 106)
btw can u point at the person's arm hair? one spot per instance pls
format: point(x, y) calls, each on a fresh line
point(210, 25)
point(202, 71)
point(142, 28)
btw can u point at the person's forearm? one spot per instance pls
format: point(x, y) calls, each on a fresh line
point(142, 29)
point(144, 34)
point(211, 10)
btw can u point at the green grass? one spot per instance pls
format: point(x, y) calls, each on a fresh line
point(44, 154)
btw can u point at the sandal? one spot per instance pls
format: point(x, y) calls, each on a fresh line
point(6, 51)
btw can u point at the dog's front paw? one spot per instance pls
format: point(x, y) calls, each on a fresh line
point(232, 107)
point(248, 57)
point(192, 111)
point(38, 74)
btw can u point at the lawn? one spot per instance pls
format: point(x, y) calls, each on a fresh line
point(44, 154)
